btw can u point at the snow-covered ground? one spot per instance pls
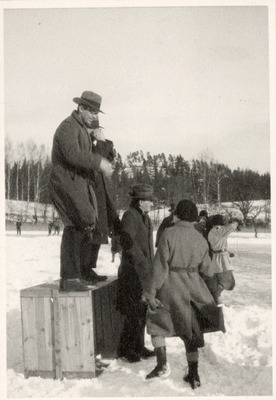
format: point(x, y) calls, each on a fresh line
point(237, 363)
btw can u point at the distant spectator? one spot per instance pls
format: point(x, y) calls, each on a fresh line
point(166, 223)
point(35, 218)
point(56, 227)
point(50, 227)
point(18, 227)
point(115, 246)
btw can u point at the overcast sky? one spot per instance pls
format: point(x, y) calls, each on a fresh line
point(177, 80)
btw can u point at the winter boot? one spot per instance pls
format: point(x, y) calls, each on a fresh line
point(162, 369)
point(192, 377)
point(146, 353)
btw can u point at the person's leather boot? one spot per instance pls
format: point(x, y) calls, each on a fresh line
point(146, 353)
point(192, 376)
point(73, 285)
point(162, 369)
point(129, 355)
point(95, 277)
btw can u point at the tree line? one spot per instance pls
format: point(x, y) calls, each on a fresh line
point(206, 182)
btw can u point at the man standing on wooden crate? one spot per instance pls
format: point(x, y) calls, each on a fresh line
point(71, 186)
point(134, 273)
point(107, 215)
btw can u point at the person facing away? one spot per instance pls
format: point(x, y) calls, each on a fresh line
point(108, 218)
point(18, 227)
point(166, 223)
point(220, 274)
point(180, 304)
point(134, 271)
point(71, 188)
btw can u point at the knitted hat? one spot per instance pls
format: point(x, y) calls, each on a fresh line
point(186, 210)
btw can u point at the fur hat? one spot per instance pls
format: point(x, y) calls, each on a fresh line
point(186, 210)
point(142, 191)
point(89, 99)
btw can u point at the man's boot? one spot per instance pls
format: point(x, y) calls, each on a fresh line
point(162, 369)
point(192, 377)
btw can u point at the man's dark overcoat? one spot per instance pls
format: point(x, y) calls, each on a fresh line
point(181, 256)
point(70, 183)
point(107, 213)
point(137, 257)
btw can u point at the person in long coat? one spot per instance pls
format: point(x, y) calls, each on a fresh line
point(71, 187)
point(166, 223)
point(134, 272)
point(180, 304)
point(108, 218)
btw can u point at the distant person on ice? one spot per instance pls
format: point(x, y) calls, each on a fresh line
point(134, 272)
point(220, 274)
point(71, 185)
point(18, 227)
point(50, 227)
point(180, 304)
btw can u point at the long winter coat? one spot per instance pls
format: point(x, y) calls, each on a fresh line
point(181, 256)
point(107, 213)
point(166, 223)
point(70, 183)
point(137, 257)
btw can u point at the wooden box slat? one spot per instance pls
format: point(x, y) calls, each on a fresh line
point(63, 332)
point(37, 333)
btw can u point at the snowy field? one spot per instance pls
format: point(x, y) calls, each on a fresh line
point(237, 363)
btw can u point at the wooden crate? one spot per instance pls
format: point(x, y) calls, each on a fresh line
point(63, 332)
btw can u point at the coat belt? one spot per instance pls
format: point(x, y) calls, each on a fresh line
point(218, 251)
point(180, 269)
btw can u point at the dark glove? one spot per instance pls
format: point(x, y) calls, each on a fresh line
point(151, 302)
point(89, 232)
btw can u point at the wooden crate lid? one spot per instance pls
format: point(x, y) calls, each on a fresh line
point(46, 289)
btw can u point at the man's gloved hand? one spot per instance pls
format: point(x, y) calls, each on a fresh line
point(151, 301)
point(99, 135)
point(106, 167)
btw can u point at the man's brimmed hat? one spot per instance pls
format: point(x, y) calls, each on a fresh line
point(142, 191)
point(89, 99)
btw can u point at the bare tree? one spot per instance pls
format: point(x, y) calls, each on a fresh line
point(219, 174)
point(9, 161)
point(20, 156)
point(249, 210)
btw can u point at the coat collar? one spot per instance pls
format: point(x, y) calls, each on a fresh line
point(185, 223)
point(76, 116)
